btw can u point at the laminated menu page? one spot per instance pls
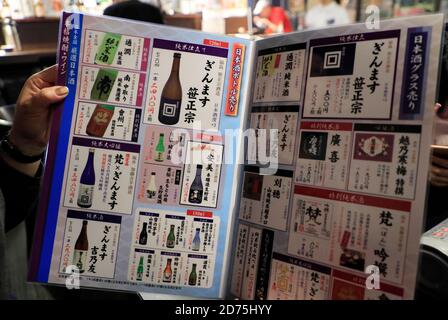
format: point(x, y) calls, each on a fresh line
point(140, 182)
point(342, 216)
point(201, 165)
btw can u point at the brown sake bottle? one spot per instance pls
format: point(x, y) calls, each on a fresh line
point(171, 98)
point(81, 248)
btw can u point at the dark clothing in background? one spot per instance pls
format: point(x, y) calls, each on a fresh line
point(20, 193)
point(437, 206)
point(135, 10)
point(18, 200)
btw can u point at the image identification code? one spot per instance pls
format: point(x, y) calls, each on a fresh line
point(237, 309)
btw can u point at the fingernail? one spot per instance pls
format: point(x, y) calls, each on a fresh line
point(62, 91)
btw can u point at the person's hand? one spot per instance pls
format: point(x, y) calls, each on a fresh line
point(439, 165)
point(439, 168)
point(34, 110)
point(33, 115)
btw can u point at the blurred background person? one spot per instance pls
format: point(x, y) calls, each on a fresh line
point(144, 11)
point(271, 19)
point(326, 13)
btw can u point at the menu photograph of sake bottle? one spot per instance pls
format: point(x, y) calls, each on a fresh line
point(90, 244)
point(187, 82)
point(279, 73)
point(164, 146)
point(107, 121)
point(161, 167)
point(159, 185)
point(99, 176)
point(201, 179)
point(188, 238)
point(108, 85)
point(161, 229)
point(324, 154)
point(116, 50)
point(197, 272)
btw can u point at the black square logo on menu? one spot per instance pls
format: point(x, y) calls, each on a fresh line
point(334, 60)
point(313, 145)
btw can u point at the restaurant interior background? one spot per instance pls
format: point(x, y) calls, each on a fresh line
point(29, 27)
point(28, 43)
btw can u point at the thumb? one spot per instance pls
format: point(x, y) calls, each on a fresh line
point(49, 96)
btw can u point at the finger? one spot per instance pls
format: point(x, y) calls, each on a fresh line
point(439, 171)
point(439, 184)
point(49, 74)
point(439, 179)
point(49, 96)
point(440, 162)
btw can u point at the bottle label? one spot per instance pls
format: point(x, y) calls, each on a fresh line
point(192, 280)
point(159, 156)
point(99, 121)
point(195, 196)
point(108, 49)
point(139, 275)
point(85, 195)
point(169, 111)
point(151, 194)
point(79, 260)
point(167, 276)
point(170, 243)
point(104, 82)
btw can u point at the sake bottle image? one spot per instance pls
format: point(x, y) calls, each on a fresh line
point(160, 149)
point(140, 270)
point(171, 98)
point(197, 240)
point(192, 279)
point(99, 121)
point(151, 190)
point(85, 193)
point(81, 248)
point(143, 239)
point(167, 273)
point(103, 84)
point(171, 239)
point(196, 189)
point(108, 49)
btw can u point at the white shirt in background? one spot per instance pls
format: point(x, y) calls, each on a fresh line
point(321, 16)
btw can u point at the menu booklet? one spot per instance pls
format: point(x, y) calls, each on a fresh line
point(203, 165)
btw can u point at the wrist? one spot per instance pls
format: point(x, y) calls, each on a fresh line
point(29, 169)
point(25, 146)
point(10, 151)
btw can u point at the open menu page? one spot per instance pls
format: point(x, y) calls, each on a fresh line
point(140, 181)
point(342, 216)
